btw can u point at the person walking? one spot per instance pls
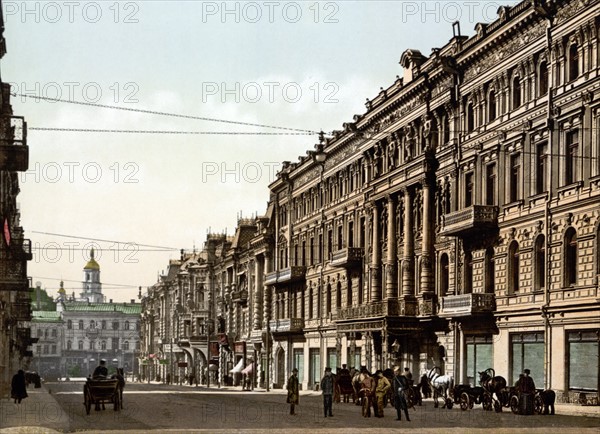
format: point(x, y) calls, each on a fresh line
point(293, 397)
point(367, 390)
point(400, 387)
point(383, 385)
point(327, 389)
point(18, 387)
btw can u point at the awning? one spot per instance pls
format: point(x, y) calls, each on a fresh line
point(248, 369)
point(238, 368)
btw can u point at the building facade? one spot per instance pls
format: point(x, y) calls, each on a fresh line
point(454, 224)
point(15, 249)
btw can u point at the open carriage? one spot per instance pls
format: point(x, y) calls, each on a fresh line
point(101, 391)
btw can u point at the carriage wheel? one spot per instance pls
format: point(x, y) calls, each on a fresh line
point(538, 405)
point(465, 402)
point(514, 404)
point(487, 402)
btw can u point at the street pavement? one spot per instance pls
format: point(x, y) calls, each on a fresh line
point(58, 407)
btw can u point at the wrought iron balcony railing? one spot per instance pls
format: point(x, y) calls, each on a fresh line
point(347, 257)
point(470, 219)
point(287, 325)
point(467, 304)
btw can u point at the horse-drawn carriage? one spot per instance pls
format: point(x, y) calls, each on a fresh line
point(541, 402)
point(440, 385)
point(100, 391)
point(467, 396)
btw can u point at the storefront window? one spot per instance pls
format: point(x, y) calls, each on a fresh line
point(479, 357)
point(528, 353)
point(332, 359)
point(299, 362)
point(315, 366)
point(583, 359)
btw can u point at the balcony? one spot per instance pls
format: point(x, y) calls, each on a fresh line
point(468, 220)
point(347, 257)
point(239, 296)
point(287, 325)
point(14, 152)
point(384, 308)
point(467, 304)
point(286, 275)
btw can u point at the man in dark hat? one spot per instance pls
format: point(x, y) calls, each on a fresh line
point(101, 371)
point(526, 383)
point(293, 390)
point(327, 385)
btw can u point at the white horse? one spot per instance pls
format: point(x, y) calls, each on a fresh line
point(440, 384)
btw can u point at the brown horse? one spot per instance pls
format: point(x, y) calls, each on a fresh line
point(493, 384)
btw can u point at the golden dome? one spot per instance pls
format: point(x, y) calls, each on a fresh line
point(92, 264)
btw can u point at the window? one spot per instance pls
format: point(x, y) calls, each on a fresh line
point(446, 128)
point(527, 352)
point(126, 346)
point(92, 345)
point(468, 284)
point(314, 366)
point(573, 62)
point(516, 92)
point(328, 300)
point(515, 177)
point(340, 231)
point(490, 184)
point(470, 117)
point(103, 324)
point(570, 257)
point(468, 189)
point(572, 143)
point(490, 271)
point(115, 343)
point(299, 362)
point(80, 324)
point(46, 349)
point(80, 345)
point(338, 296)
point(351, 234)
point(126, 325)
point(115, 325)
point(513, 268)
point(332, 359)
point(303, 254)
point(492, 105)
point(583, 357)
point(543, 78)
point(312, 251)
point(69, 324)
point(92, 325)
point(53, 333)
point(479, 357)
point(103, 345)
point(540, 263)
point(40, 333)
point(310, 302)
point(541, 161)
point(444, 274)
point(69, 345)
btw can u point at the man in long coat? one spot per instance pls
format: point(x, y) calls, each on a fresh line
point(293, 391)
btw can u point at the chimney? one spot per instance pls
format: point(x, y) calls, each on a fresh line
point(38, 290)
point(110, 301)
point(132, 301)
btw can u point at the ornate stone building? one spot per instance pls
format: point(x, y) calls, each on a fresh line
point(15, 249)
point(453, 224)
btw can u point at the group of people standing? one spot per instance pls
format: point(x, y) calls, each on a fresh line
point(373, 390)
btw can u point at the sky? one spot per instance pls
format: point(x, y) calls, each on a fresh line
point(230, 68)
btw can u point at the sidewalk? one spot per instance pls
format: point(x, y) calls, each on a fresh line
point(39, 413)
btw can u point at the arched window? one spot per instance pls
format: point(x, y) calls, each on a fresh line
point(328, 300)
point(126, 325)
point(543, 78)
point(540, 263)
point(92, 324)
point(570, 257)
point(470, 117)
point(80, 324)
point(92, 345)
point(492, 105)
point(573, 62)
point(80, 345)
point(516, 92)
point(103, 345)
point(468, 284)
point(310, 302)
point(490, 271)
point(126, 346)
point(338, 296)
point(444, 274)
point(513, 268)
point(69, 345)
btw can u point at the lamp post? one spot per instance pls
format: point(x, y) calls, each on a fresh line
point(207, 323)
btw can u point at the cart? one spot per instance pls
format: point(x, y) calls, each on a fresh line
point(100, 392)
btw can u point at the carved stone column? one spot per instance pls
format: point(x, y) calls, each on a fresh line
point(267, 290)
point(427, 253)
point(391, 267)
point(408, 284)
point(257, 302)
point(376, 257)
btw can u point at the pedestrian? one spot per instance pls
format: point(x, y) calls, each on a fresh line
point(526, 383)
point(293, 397)
point(400, 387)
point(367, 390)
point(101, 370)
point(383, 385)
point(408, 376)
point(327, 390)
point(18, 389)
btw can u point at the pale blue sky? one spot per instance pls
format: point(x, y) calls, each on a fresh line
point(179, 57)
